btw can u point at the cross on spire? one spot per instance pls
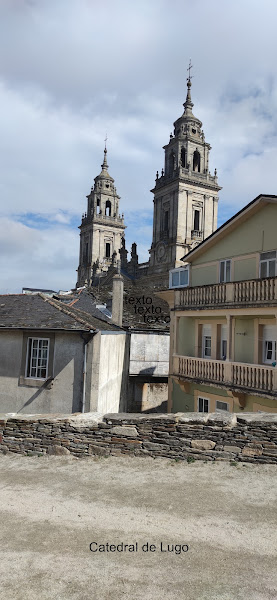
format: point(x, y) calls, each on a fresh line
point(189, 68)
point(105, 140)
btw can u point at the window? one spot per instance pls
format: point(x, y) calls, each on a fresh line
point(269, 344)
point(224, 271)
point(221, 406)
point(207, 341)
point(108, 210)
point(37, 358)
point(196, 161)
point(269, 351)
point(268, 264)
point(98, 206)
point(183, 158)
point(196, 220)
point(179, 277)
point(165, 221)
point(108, 250)
point(203, 404)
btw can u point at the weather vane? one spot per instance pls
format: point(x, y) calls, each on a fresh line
point(189, 68)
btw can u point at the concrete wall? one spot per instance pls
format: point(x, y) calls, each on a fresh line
point(107, 366)
point(247, 438)
point(63, 394)
point(149, 354)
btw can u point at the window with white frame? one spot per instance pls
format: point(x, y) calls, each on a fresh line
point(269, 344)
point(207, 341)
point(219, 406)
point(37, 358)
point(268, 264)
point(203, 404)
point(179, 277)
point(224, 271)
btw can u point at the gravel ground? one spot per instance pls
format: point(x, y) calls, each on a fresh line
point(53, 508)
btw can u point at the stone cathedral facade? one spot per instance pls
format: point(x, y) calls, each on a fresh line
point(185, 209)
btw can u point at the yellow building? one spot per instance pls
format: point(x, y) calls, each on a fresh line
point(223, 317)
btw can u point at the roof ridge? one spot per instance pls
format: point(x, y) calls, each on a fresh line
point(60, 306)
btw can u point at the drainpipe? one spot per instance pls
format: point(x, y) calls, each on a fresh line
point(86, 340)
point(84, 377)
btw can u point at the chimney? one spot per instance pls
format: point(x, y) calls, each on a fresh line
point(117, 303)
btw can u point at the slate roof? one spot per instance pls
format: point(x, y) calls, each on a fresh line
point(24, 311)
point(84, 300)
point(140, 290)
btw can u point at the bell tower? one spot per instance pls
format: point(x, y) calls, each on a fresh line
point(102, 227)
point(185, 194)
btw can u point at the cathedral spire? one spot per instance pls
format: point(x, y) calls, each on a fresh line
point(105, 165)
point(188, 104)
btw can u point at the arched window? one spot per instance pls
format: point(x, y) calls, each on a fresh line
point(108, 250)
point(108, 209)
point(98, 206)
point(183, 158)
point(196, 161)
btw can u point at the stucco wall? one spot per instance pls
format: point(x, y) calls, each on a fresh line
point(186, 336)
point(204, 275)
point(244, 340)
point(185, 394)
point(63, 394)
point(257, 233)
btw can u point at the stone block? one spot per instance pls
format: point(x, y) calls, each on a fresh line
point(250, 451)
point(202, 444)
point(235, 449)
point(127, 431)
point(58, 450)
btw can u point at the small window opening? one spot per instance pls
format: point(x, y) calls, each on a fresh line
point(98, 206)
point(183, 158)
point(172, 162)
point(196, 221)
point(108, 250)
point(108, 210)
point(196, 161)
point(166, 221)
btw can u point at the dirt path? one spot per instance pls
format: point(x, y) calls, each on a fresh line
point(52, 509)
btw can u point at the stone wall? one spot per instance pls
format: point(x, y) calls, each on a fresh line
point(185, 436)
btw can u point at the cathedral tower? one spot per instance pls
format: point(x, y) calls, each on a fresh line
point(185, 195)
point(101, 229)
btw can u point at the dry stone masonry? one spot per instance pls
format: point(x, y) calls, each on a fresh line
point(183, 436)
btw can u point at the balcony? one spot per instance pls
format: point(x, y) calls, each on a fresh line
point(238, 375)
point(254, 291)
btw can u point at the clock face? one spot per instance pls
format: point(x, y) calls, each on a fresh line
point(161, 252)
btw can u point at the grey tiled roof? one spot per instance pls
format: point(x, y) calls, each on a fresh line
point(84, 300)
point(23, 311)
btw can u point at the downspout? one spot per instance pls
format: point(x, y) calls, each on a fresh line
point(86, 340)
point(84, 377)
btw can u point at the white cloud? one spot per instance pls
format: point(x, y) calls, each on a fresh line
point(71, 71)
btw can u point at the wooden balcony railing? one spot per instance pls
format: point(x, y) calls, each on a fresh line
point(254, 291)
point(242, 375)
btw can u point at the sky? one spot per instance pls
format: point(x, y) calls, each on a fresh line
point(72, 71)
